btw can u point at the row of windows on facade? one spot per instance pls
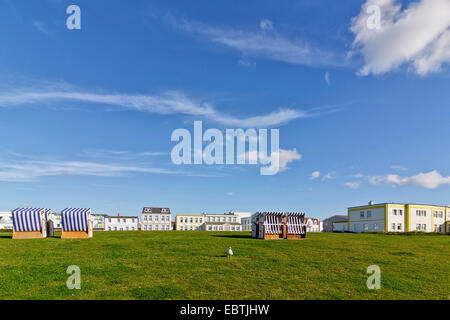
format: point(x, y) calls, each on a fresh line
point(211, 228)
point(121, 229)
point(163, 218)
point(124, 220)
point(208, 219)
point(395, 212)
point(156, 228)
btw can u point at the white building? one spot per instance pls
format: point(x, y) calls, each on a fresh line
point(246, 223)
point(397, 217)
point(6, 221)
point(312, 225)
point(191, 222)
point(155, 219)
point(121, 223)
point(210, 222)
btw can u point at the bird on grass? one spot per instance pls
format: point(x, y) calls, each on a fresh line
point(229, 252)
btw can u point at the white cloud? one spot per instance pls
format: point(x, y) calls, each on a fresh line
point(314, 175)
point(353, 185)
point(168, 103)
point(429, 180)
point(328, 176)
point(266, 25)
point(399, 168)
point(285, 157)
point(262, 44)
point(288, 156)
point(418, 35)
point(40, 26)
point(29, 170)
point(327, 78)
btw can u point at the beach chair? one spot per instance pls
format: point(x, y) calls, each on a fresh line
point(76, 223)
point(29, 223)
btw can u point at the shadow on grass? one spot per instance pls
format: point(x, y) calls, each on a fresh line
point(231, 236)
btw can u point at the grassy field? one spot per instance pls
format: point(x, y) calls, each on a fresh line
point(192, 265)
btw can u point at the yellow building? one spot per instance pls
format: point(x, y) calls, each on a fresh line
point(397, 217)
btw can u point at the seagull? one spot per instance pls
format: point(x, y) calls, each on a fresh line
point(229, 252)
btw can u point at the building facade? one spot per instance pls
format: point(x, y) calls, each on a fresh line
point(99, 222)
point(156, 219)
point(246, 223)
point(397, 217)
point(6, 222)
point(312, 225)
point(121, 223)
point(329, 223)
point(210, 222)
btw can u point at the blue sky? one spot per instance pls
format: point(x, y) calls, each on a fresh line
point(86, 115)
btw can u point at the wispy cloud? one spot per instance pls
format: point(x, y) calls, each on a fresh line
point(399, 168)
point(353, 185)
point(40, 26)
point(314, 175)
point(264, 42)
point(429, 180)
point(418, 35)
point(166, 104)
point(327, 78)
point(25, 171)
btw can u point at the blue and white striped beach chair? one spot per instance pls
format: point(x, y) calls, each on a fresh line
point(29, 223)
point(76, 223)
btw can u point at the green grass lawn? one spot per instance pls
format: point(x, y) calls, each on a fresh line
point(192, 265)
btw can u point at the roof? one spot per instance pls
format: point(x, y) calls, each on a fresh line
point(402, 204)
point(337, 216)
point(155, 210)
point(124, 217)
point(223, 223)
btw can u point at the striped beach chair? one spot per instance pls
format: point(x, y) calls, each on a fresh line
point(278, 225)
point(76, 223)
point(29, 223)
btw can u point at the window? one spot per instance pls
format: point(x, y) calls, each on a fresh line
point(201, 220)
point(375, 226)
point(126, 228)
point(115, 228)
point(190, 220)
point(118, 220)
point(121, 229)
point(399, 226)
point(400, 212)
point(156, 218)
point(361, 214)
point(238, 228)
point(209, 228)
point(109, 228)
point(132, 220)
point(393, 226)
point(395, 212)
point(234, 219)
point(196, 220)
point(150, 218)
point(232, 228)
point(366, 227)
point(369, 214)
point(145, 218)
point(156, 228)
point(150, 228)
point(224, 219)
point(124, 220)
point(355, 227)
point(229, 219)
point(109, 220)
